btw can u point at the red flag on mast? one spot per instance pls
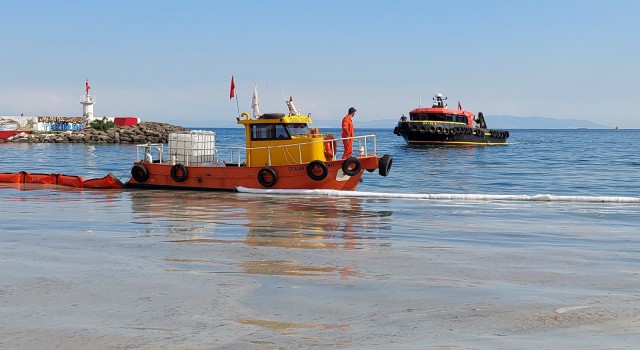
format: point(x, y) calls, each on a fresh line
point(232, 93)
point(86, 86)
point(459, 106)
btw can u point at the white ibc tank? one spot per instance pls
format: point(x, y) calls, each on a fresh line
point(193, 148)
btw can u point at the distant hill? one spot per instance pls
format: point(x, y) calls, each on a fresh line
point(513, 122)
point(499, 122)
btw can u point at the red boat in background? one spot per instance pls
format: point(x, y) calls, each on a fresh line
point(439, 125)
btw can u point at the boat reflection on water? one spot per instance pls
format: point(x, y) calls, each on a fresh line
point(287, 222)
point(313, 222)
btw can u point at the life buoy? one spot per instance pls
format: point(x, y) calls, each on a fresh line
point(385, 165)
point(432, 129)
point(351, 161)
point(423, 129)
point(139, 173)
point(330, 146)
point(312, 170)
point(439, 130)
point(179, 172)
point(445, 131)
point(414, 128)
point(245, 116)
point(506, 134)
point(267, 177)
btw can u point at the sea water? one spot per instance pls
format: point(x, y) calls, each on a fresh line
point(533, 244)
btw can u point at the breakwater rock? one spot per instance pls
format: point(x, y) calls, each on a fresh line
point(145, 132)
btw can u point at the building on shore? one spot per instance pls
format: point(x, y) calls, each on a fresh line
point(11, 125)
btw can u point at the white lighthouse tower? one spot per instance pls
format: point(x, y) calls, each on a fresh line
point(87, 102)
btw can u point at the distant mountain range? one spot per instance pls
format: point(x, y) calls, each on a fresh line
point(506, 122)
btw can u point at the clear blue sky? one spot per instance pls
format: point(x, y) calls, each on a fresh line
point(172, 61)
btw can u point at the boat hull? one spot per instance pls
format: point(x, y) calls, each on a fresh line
point(228, 178)
point(417, 133)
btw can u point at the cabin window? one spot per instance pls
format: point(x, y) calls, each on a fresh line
point(269, 132)
point(437, 117)
point(298, 129)
point(418, 116)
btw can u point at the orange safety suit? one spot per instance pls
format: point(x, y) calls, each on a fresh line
point(347, 131)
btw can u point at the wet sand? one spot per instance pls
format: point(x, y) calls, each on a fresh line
point(185, 295)
point(162, 282)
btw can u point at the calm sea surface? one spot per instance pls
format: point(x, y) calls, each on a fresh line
point(163, 269)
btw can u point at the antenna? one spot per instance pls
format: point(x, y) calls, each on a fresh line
point(275, 93)
point(292, 109)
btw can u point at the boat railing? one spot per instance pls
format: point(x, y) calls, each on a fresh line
point(365, 145)
point(151, 151)
point(223, 155)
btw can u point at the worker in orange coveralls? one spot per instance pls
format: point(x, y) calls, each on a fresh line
point(347, 131)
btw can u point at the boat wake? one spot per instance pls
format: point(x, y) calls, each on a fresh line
point(446, 196)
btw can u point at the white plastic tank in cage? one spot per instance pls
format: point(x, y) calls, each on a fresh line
point(193, 148)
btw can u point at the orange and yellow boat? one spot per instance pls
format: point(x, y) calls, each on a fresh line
point(280, 152)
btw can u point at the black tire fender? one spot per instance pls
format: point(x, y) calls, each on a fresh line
point(346, 166)
point(316, 164)
point(266, 182)
point(179, 172)
point(385, 165)
point(139, 173)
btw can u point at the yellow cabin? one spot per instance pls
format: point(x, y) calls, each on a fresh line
point(277, 139)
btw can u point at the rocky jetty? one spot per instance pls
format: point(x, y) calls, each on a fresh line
point(145, 132)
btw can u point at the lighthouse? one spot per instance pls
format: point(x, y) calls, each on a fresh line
point(87, 102)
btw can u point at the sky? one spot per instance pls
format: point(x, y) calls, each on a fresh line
point(172, 61)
